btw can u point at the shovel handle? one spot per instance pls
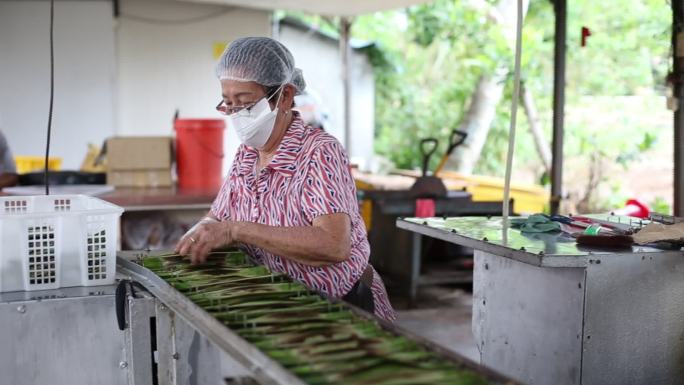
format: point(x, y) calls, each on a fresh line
point(455, 139)
point(428, 146)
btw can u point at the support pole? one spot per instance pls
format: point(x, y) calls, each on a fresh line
point(345, 55)
point(275, 26)
point(514, 114)
point(560, 9)
point(678, 93)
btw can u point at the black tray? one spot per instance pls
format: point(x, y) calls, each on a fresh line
point(62, 178)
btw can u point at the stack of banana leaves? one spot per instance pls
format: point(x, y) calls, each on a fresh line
point(320, 341)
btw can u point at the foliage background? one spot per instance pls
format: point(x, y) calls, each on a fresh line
point(428, 59)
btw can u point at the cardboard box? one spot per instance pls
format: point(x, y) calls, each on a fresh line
point(139, 153)
point(140, 161)
point(140, 178)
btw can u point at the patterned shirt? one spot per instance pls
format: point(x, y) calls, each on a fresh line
point(308, 177)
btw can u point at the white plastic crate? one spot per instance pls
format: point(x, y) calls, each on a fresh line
point(48, 242)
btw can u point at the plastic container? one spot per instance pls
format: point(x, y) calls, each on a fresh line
point(529, 198)
point(199, 153)
point(26, 164)
point(48, 242)
point(634, 208)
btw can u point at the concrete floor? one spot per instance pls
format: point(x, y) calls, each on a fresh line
point(443, 316)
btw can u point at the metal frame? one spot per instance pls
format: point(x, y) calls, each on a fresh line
point(561, 11)
point(416, 279)
point(265, 370)
point(346, 59)
point(139, 360)
point(61, 336)
point(184, 355)
point(678, 123)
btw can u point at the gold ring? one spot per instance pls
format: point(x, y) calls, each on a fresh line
point(193, 240)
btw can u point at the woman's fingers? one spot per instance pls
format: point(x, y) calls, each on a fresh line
point(200, 249)
point(200, 253)
point(189, 242)
point(196, 241)
point(186, 244)
point(200, 242)
point(179, 246)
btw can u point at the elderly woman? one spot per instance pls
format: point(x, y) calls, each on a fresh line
point(289, 200)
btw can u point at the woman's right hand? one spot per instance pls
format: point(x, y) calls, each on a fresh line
point(206, 235)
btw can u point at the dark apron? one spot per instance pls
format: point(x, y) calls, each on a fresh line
point(361, 294)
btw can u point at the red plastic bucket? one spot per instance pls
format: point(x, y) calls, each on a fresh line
point(199, 152)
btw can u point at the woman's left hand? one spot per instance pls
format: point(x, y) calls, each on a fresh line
point(206, 237)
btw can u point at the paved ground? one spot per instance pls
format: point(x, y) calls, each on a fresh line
point(443, 316)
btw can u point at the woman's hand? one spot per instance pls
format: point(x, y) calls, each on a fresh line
point(206, 237)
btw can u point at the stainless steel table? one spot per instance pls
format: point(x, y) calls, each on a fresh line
point(546, 311)
point(70, 336)
point(63, 336)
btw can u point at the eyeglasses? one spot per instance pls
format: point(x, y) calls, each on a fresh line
point(225, 109)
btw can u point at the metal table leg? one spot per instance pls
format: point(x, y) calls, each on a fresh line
point(415, 267)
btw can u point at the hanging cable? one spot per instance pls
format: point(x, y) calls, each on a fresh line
point(514, 114)
point(52, 94)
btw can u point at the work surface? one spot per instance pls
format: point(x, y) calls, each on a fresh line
point(149, 198)
point(547, 250)
point(168, 198)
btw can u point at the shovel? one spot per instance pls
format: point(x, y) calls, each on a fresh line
point(455, 139)
point(428, 186)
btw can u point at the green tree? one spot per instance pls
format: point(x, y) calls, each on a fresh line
point(429, 58)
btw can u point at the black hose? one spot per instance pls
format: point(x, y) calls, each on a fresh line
point(52, 93)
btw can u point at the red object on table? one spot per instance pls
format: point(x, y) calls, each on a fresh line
point(199, 152)
point(425, 208)
point(634, 208)
point(586, 32)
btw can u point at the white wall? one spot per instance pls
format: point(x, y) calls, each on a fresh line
point(167, 66)
point(319, 60)
point(84, 76)
point(127, 76)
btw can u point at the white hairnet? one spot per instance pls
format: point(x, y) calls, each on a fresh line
point(261, 60)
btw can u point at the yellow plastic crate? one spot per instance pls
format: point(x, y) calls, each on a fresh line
point(529, 198)
point(26, 164)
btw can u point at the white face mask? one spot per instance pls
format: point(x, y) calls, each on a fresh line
point(255, 126)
